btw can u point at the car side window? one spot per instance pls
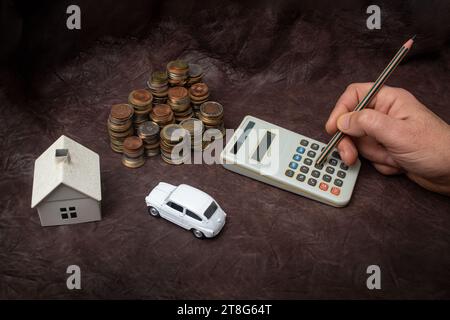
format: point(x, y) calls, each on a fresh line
point(175, 206)
point(193, 215)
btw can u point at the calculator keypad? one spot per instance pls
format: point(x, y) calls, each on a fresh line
point(328, 178)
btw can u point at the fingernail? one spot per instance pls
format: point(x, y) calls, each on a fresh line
point(344, 121)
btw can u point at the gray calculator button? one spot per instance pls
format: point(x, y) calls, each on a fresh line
point(307, 161)
point(315, 173)
point(344, 166)
point(304, 169)
point(336, 155)
point(304, 142)
point(289, 173)
point(318, 166)
point(301, 177)
point(332, 161)
point(311, 154)
point(315, 146)
point(338, 182)
point(341, 174)
point(312, 182)
point(326, 178)
point(330, 170)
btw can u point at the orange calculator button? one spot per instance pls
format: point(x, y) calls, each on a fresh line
point(335, 191)
point(323, 186)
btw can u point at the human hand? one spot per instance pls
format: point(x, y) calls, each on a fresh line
point(396, 133)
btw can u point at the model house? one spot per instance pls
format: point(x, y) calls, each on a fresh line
point(66, 185)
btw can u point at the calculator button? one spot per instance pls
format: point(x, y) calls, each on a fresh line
point(311, 154)
point(301, 150)
point(318, 166)
point(330, 170)
point(338, 182)
point(315, 173)
point(297, 157)
point(304, 142)
point(315, 146)
point(341, 174)
point(312, 182)
point(289, 173)
point(304, 169)
point(336, 155)
point(326, 178)
point(323, 186)
point(307, 161)
point(344, 166)
point(332, 161)
point(335, 191)
point(293, 165)
point(301, 177)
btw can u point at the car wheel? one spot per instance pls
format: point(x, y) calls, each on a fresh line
point(153, 212)
point(198, 234)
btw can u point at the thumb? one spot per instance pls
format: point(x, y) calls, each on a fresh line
point(369, 122)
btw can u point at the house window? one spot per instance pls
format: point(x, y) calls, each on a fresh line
point(67, 213)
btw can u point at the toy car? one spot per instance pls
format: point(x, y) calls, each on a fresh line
point(187, 207)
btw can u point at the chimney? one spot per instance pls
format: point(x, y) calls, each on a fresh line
point(62, 155)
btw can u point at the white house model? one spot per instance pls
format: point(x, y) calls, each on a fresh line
point(66, 185)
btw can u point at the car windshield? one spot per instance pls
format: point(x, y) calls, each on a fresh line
point(211, 209)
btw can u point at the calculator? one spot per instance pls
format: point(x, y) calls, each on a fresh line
point(287, 160)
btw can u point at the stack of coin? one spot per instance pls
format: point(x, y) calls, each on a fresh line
point(195, 74)
point(149, 133)
point(162, 115)
point(158, 85)
point(120, 125)
point(178, 72)
point(195, 129)
point(198, 93)
point(133, 152)
point(141, 101)
point(169, 141)
point(178, 100)
point(211, 114)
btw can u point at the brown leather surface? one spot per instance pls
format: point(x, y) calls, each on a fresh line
point(284, 65)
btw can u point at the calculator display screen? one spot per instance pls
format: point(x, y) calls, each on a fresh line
point(243, 136)
point(263, 146)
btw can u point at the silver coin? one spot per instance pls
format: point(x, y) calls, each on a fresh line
point(149, 128)
point(195, 70)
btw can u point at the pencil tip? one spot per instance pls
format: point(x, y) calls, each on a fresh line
point(414, 37)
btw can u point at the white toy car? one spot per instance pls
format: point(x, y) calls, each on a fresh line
point(187, 207)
